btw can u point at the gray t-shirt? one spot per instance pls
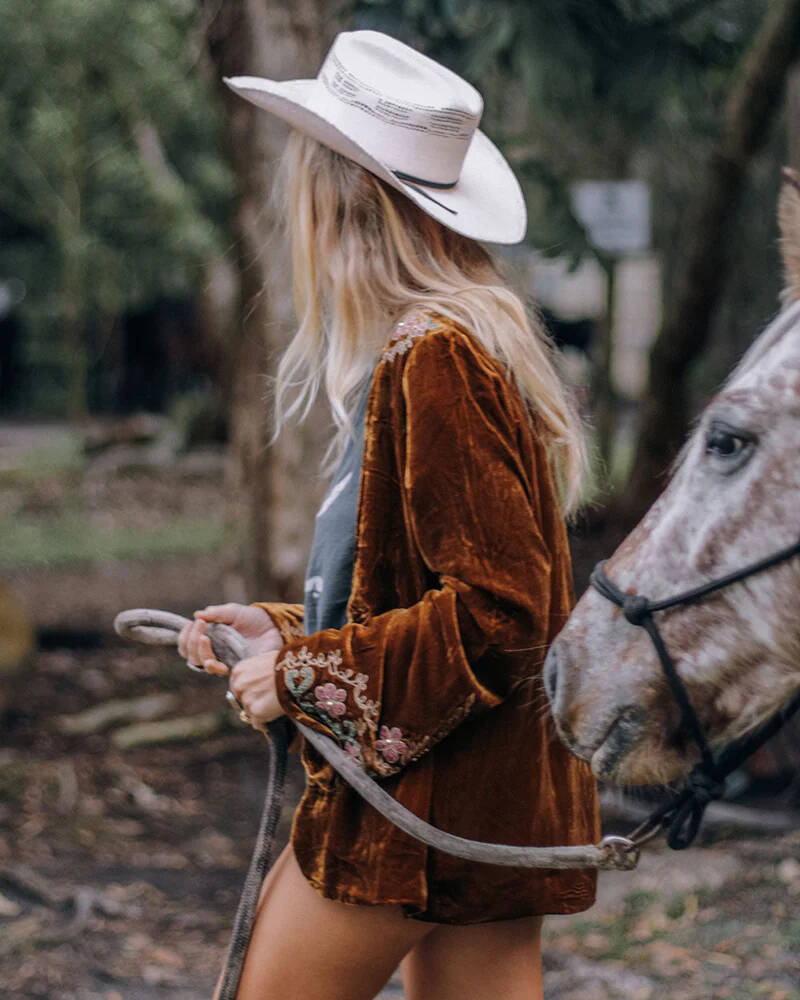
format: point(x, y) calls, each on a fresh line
point(329, 576)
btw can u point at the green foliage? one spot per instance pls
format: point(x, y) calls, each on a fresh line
point(112, 188)
point(73, 537)
point(62, 457)
point(580, 88)
point(621, 57)
point(114, 192)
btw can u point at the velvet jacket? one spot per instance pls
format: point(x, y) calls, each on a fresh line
point(461, 580)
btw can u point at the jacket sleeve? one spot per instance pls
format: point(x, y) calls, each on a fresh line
point(287, 618)
point(390, 688)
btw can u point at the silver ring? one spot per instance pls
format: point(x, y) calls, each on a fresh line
point(233, 701)
point(194, 666)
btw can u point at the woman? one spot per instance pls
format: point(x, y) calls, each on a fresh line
point(439, 571)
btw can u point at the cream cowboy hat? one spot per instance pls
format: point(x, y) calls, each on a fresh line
point(409, 121)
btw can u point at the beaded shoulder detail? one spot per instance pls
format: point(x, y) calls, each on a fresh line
point(407, 331)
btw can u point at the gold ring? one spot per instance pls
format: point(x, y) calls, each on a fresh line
point(245, 717)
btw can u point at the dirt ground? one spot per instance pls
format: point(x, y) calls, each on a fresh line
point(120, 868)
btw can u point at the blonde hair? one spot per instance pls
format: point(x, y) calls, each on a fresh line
point(363, 255)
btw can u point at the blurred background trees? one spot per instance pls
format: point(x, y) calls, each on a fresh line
point(114, 199)
point(141, 268)
point(680, 94)
point(279, 40)
point(144, 295)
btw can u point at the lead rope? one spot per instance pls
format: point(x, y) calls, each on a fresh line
point(161, 628)
point(261, 861)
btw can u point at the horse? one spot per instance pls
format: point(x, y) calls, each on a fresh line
point(724, 537)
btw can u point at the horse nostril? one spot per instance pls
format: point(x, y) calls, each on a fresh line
point(551, 674)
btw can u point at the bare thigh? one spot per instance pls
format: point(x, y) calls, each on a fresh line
point(477, 962)
point(307, 947)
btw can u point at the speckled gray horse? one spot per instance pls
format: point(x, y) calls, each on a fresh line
point(734, 498)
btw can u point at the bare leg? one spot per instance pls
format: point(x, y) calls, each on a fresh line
point(477, 962)
point(306, 947)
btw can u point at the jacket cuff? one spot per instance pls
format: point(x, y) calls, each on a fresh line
point(287, 618)
point(310, 691)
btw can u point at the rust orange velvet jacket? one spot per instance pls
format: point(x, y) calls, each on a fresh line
point(461, 580)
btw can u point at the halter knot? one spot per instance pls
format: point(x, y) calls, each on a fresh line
point(684, 814)
point(704, 787)
point(635, 608)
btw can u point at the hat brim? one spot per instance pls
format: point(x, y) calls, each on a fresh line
point(486, 204)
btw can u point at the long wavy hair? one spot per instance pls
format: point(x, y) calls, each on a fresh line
point(363, 255)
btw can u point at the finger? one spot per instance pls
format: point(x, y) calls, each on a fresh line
point(183, 635)
point(185, 640)
point(194, 645)
point(224, 613)
point(206, 649)
point(239, 673)
point(265, 709)
point(212, 666)
point(235, 683)
point(190, 642)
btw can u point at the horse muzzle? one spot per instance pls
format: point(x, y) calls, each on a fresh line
point(602, 736)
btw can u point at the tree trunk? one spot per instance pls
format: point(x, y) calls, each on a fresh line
point(280, 39)
point(793, 118)
point(72, 245)
point(750, 110)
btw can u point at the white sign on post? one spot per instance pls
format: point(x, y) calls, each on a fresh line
point(616, 214)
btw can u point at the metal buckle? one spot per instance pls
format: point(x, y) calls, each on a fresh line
point(622, 855)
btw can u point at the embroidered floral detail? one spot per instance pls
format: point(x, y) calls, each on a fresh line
point(299, 668)
point(331, 699)
point(408, 330)
point(305, 658)
point(343, 729)
point(415, 748)
point(299, 680)
point(370, 710)
point(391, 745)
point(302, 669)
point(412, 326)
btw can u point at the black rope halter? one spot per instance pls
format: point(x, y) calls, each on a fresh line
point(706, 781)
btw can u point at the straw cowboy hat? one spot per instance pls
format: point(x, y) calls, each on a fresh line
point(409, 121)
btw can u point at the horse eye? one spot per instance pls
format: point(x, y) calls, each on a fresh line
point(726, 443)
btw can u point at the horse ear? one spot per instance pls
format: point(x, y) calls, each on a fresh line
point(789, 220)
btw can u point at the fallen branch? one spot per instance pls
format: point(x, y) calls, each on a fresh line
point(178, 730)
point(19, 933)
point(29, 883)
point(146, 798)
point(81, 900)
point(101, 717)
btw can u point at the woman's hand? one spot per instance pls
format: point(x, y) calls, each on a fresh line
point(253, 623)
point(253, 683)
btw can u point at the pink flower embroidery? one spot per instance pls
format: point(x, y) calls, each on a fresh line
point(331, 699)
point(354, 751)
point(391, 744)
point(413, 326)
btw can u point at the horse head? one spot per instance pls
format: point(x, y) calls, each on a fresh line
point(734, 498)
